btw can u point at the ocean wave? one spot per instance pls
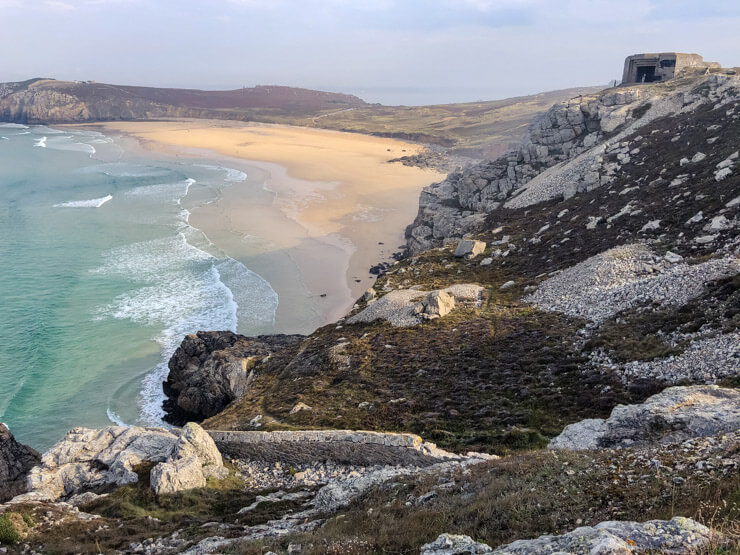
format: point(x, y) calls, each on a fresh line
point(4, 139)
point(14, 125)
point(232, 175)
point(68, 143)
point(183, 289)
point(170, 193)
point(114, 418)
point(91, 203)
point(40, 142)
point(119, 169)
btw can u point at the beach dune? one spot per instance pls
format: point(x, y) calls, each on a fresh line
point(318, 210)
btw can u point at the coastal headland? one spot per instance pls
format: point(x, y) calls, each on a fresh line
point(318, 209)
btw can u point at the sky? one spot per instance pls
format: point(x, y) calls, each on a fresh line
point(388, 51)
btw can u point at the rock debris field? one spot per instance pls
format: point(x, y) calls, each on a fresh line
point(623, 277)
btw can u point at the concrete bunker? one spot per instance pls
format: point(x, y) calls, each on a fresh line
point(658, 67)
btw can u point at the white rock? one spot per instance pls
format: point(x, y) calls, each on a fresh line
point(488, 260)
point(507, 285)
point(722, 174)
point(673, 258)
point(454, 544)
point(256, 422)
point(651, 225)
point(673, 415)
point(182, 474)
point(695, 219)
point(705, 239)
point(194, 441)
point(719, 223)
point(698, 157)
point(87, 459)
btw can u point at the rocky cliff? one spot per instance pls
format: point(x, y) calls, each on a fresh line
point(16, 460)
point(577, 146)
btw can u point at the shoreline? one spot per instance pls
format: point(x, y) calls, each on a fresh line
point(318, 208)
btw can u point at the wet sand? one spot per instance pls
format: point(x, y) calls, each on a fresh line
point(318, 209)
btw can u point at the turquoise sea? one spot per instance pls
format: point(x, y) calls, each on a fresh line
point(101, 276)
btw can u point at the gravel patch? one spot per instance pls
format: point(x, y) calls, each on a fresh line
point(705, 361)
point(623, 277)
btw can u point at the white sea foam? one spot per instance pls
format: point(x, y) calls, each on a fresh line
point(121, 169)
point(4, 139)
point(14, 125)
point(67, 142)
point(170, 193)
point(114, 418)
point(232, 175)
point(181, 290)
point(41, 142)
point(91, 203)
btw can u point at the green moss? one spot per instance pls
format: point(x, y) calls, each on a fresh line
point(9, 533)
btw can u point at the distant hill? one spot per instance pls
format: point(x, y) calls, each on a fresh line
point(476, 129)
point(52, 101)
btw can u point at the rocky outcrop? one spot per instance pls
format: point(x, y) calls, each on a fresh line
point(194, 441)
point(675, 414)
point(678, 535)
point(411, 307)
point(193, 458)
point(89, 459)
point(97, 460)
point(454, 544)
point(16, 460)
point(211, 369)
point(566, 151)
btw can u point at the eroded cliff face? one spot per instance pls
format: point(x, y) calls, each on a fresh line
point(564, 153)
point(16, 460)
point(53, 106)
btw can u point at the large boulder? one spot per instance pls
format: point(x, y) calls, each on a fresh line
point(16, 460)
point(470, 248)
point(89, 459)
point(411, 307)
point(194, 441)
point(437, 304)
point(673, 415)
point(211, 369)
point(179, 475)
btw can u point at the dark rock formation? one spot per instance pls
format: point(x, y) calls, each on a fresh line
point(15, 462)
point(211, 369)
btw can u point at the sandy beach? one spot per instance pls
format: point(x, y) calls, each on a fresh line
point(318, 209)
